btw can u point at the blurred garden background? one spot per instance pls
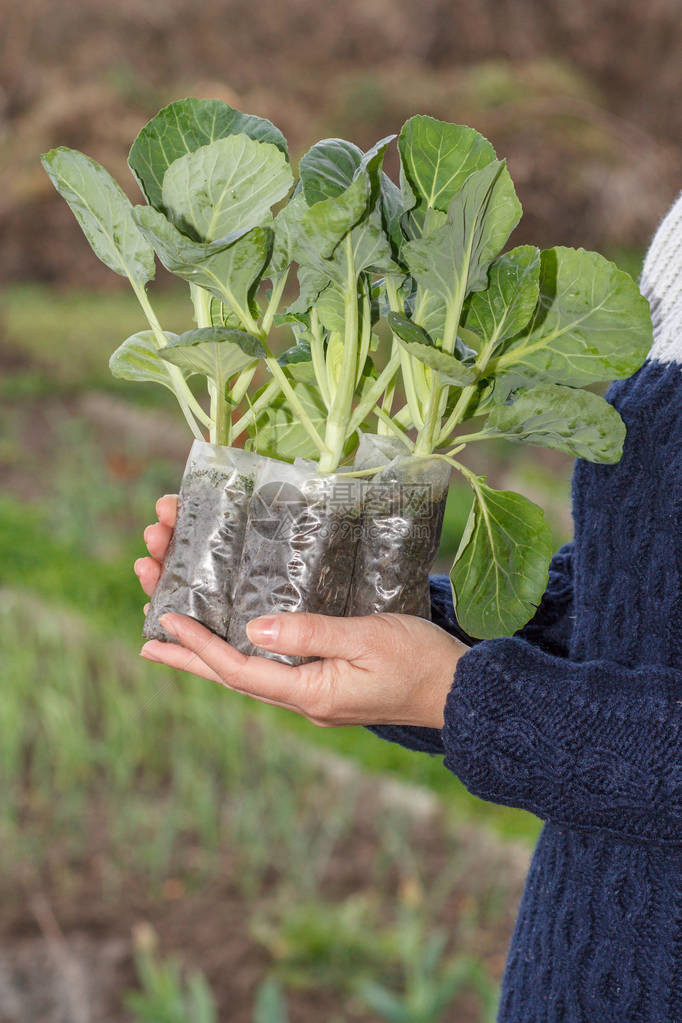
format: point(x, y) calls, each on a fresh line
point(170, 852)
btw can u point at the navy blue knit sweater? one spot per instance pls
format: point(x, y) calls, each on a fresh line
point(578, 718)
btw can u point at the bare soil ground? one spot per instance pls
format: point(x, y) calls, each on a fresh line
point(583, 99)
point(66, 948)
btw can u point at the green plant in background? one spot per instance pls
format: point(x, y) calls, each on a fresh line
point(270, 1004)
point(166, 995)
point(319, 943)
point(508, 339)
point(431, 980)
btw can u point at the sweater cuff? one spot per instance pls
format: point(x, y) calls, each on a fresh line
point(413, 737)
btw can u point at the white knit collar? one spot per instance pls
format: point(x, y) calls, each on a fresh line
point(661, 283)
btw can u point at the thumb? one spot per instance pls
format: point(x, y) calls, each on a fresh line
point(312, 635)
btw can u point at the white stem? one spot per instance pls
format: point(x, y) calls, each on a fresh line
point(186, 400)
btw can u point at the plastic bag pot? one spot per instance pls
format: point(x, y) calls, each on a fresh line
point(200, 569)
point(402, 519)
point(299, 548)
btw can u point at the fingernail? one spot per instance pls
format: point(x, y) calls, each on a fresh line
point(144, 652)
point(144, 535)
point(159, 502)
point(168, 624)
point(136, 565)
point(145, 609)
point(263, 631)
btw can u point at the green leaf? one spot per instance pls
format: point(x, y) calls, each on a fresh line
point(371, 248)
point(392, 210)
point(328, 168)
point(331, 308)
point(454, 259)
point(408, 331)
point(311, 284)
point(507, 304)
point(372, 163)
point(227, 186)
point(103, 211)
point(438, 157)
point(450, 370)
point(139, 359)
point(578, 422)
point(215, 352)
point(279, 432)
point(285, 226)
point(501, 568)
point(447, 366)
point(432, 313)
point(418, 343)
point(331, 165)
point(323, 225)
point(228, 269)
point(300, 352)
point(184, 126)
point(591, 322)
point(371, 251)
point(221, 314)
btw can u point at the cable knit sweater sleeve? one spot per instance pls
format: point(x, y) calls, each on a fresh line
point(550, 629)
point(591, 744)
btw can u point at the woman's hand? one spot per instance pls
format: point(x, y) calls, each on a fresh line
point(379, 669)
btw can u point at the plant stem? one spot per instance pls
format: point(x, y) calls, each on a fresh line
point(317, 352)
point(410, 389)
point(241, 384)
point(380, 386)
point(186, 400)
point(223, 424)
point(389, 393)
point(425, 438)
point(366, 334)
point(340, 412)
point(275, 298)
point(306, 422)
point(467, 394)
point(406, 362)
point(393, 428)
point(261, 402)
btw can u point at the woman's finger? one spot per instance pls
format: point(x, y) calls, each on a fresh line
point(177, 657)
point(157, 537)
point(311, 635)
point(167, 509)
point(258, 676)
point(147, 571)
point(182, 659)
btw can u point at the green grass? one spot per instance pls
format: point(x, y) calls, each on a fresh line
point(66, 337)
point(156, 775)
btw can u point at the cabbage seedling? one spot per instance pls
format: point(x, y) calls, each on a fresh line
point(507, 339)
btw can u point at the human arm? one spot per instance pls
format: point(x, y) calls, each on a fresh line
point(549, 629)
point(593, 744)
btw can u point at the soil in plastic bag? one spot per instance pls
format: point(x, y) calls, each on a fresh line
point(200, 569)
point(402, 519)
point(299, 547)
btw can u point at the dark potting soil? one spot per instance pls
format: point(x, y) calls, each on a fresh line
point(400, 536)
point(200, 568)
point(298, 554)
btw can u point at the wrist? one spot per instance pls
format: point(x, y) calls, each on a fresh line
point(434, 690)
